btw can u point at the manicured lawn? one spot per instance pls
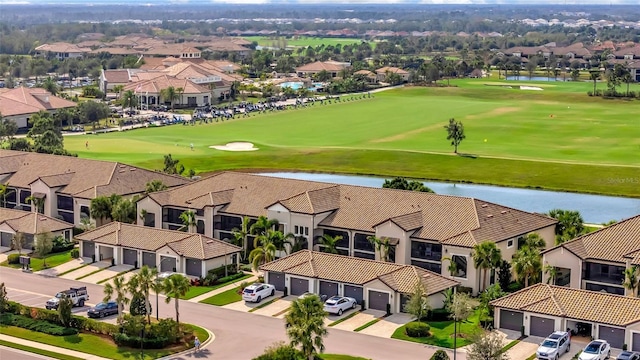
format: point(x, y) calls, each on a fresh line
point(520, 138)
point(442, 333)
point(93, 344)
point(52, 260)
point(38, 351)
point(224, 298)
point(199, 290)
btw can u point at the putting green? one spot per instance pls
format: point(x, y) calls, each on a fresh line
point(506, 125)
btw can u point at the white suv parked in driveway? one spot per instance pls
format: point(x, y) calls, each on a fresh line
point(554, 346)
point(257, 291)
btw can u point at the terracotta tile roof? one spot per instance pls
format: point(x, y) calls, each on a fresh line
point(31, 222)
point(361, 208)
point(367, 73)
point(22, 100)
point(62, 47)
point(211, 199)
point(163, 81)
point(384, 70)
point(120, 76)
point(115, 51)
point(358, 271)
point(611, 243)
point(79, 177)
point(574, 304)
point(223, 45)
point(151, 239)
point(319, 66)
point(314, 201)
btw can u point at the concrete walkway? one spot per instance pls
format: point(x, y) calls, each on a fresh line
point(62, 268)
point(46, 347)
point(222, 289)
point(358, 320)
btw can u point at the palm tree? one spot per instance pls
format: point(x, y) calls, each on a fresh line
point(276, 237)
point(4, 192)
point(143, 282)
point(179, 92)
point(299, 243)
point(552, 273)
point(129, 99)
point(100, 209)
point(452, 268)
point(188, 218)
point(124, 211)
point(50, 85)
point(118, 89)
point(594, 74)
point(169, 94)
point(486, 255)
point(241, 235)
point(38, 203)
point(534, 241)
point(305, 325)
point(175, 286)
point(262, 225)
point(330, 243)
point(526, 263)
point(262, 254)
point(382, 245)
point(632, 279)
point(154, 185)
point(119, 289)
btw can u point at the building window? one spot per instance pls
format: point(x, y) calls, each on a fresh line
point(172, 216)
point(9, 198)
point(24, 194)
point(364, 255)
point(342, 243)
point(84, 212)
point(150, 219)
point(200, 227)
point(509, 244)
point(426, 251)
point(65, 203)
point(431, 266)
point(460, 266)
point(361, 242)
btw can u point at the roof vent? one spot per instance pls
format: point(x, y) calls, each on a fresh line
point(209, 241)
point(484, 205)
point(489, 216)
point(503, 212)
point(132, 169)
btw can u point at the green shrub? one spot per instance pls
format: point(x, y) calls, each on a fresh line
point(281, 351)
point(464, 289)
point(138, 305)
point(75, 253)
point(439, 315)
point(230, 278)
point(61, 244)
point(135, 341)
point(440, 355)
point(36, 325)
point(417, 329)
point(246, 267)
point(219, 271)
point(13, 258)
point(514, 286)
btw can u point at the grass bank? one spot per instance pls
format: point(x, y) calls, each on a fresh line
point(37, 264)
point(442, 333)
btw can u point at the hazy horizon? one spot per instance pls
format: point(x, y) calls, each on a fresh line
point(320, 2)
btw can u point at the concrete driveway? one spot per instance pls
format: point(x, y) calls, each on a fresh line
point(276, 309)
point(62, 268)
point(386, 327)
point(246, 306)
point(358, 320)
point(99, 265)
point(107, 273)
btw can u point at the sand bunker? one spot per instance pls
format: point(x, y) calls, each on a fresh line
point(235, 146)
point(530, 88)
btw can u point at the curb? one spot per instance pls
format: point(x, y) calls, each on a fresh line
point(211, 338)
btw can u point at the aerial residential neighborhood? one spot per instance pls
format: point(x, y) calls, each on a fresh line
point(296, 181)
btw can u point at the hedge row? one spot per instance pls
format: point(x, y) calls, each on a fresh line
point(36, 325)
point(134, 341)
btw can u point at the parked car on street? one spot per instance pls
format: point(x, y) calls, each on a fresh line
point(554, 346)
point(339, 304)
point(166, 274)
point(596, 350)
point(77, 295)
point(628, 355)
point(257, 291)
point(103, 309)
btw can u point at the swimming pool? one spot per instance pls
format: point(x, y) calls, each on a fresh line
point(292, 84)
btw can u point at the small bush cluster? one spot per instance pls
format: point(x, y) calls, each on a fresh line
point(417, 329)
point(281, 351)
point(13, 259)
point(156, 335)
point(42, 326)
point(216, 276)
point(61, 244)
point(464, 289)
point(440, 355)
point(75, 253)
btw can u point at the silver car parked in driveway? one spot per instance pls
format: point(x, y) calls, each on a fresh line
point(554, 346)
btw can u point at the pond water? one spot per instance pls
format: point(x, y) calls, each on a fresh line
point(535, 78)
point(595, 209)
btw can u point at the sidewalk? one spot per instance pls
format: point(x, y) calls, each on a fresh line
point(217, 291)
point(54, 349)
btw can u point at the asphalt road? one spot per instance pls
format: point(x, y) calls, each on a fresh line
point(239, 335)
point(15, 354)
